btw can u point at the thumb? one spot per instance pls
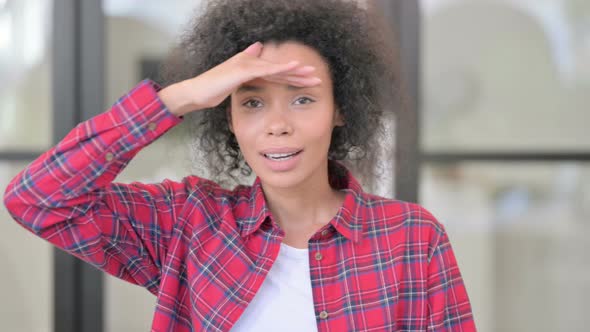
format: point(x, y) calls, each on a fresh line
point(254, 49)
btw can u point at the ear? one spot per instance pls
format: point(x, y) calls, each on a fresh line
point(229, 119)
point(338, 118)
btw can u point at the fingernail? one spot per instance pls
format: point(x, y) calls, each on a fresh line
point(252, 45)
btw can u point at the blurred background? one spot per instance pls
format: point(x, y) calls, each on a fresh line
point(496, 146)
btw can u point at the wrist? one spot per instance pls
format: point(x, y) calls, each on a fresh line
point(176, 98)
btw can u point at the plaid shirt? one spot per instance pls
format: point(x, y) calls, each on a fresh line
point(204, 251)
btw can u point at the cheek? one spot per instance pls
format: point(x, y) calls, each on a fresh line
point(245, 132)
point(319, 126)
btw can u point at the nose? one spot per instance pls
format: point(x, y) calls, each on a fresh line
point(278, 124)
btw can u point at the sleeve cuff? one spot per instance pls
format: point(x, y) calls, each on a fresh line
point(142, 113)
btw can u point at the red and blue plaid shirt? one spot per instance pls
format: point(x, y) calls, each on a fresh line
point(204, 251)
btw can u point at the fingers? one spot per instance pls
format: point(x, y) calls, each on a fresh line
point(290, 69)
point(291, 73)
point(301, 81)
point(302, 70)
point(295, 73)
point(298, 76)
point(254, 49)
point(272, 69)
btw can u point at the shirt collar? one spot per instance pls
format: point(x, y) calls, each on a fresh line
point(348, 220)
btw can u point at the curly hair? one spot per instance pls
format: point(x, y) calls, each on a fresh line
point(350, 39)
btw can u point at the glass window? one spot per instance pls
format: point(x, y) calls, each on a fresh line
point(505, 75)
point(26, 282)
point(138, 37)
point(520, 234)
point(25, 62)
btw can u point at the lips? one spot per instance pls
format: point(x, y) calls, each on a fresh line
point(280, 156)
point(284, 150)
point(282, 159)
point(280, 153)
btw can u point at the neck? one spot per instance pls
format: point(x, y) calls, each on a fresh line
point(312, 203)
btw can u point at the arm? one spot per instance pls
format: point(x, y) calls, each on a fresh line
point(448, 303)
point(66, 196)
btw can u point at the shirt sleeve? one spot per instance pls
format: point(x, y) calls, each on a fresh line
point(449, 308)
point(66, 196)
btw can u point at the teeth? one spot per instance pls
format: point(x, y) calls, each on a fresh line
point(280, 155)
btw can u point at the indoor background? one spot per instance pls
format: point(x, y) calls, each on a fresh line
point(503, 148)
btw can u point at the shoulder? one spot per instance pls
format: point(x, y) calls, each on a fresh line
point(395, 212)
point(203, 188)
point(206, 205)
point(402, 221)
point(206, 195)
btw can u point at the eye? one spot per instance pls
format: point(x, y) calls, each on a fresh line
point(252, 103)
point(304, 100)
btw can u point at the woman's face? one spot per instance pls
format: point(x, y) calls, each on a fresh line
point(272, 121)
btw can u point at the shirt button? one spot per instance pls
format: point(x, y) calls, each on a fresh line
point(109, 156)
point(318, 256)
point(152, 126)
point(324, 314)
point(325, 232)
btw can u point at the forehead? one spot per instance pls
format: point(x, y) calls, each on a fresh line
point(289, 51)
point(285, 52)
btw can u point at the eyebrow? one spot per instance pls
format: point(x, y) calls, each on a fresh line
point(254, 88)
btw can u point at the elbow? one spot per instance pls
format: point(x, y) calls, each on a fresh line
point(14, 205)
point(8, 199)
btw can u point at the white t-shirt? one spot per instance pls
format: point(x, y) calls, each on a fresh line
point(285, 301)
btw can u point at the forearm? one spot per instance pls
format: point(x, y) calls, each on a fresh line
point(89, 157)
point(178, 98)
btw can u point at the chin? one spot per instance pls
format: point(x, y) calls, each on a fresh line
point(292, 178)
point(282, 180)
